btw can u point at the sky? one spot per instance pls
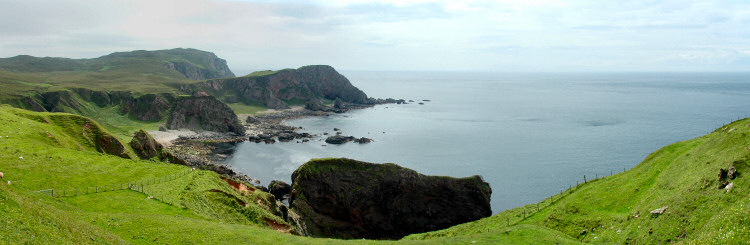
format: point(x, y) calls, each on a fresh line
point(396, 35)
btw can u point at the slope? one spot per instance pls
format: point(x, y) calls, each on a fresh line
point(683, 177)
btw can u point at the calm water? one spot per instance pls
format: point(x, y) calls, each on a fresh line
point(528, 135)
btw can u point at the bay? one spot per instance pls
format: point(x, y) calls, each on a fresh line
point(530, 135)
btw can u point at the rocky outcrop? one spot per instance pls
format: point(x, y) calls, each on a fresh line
point(101, 140)
point(340, 139)
point(110, 145)
point(279, 188)
point(345, 198)
point(217, 68)
point(149, 107)
point(316, 105)
point(272, 90)
point(144, 145)
point(204, 113)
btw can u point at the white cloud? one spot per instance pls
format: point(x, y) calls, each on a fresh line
point(392, 34)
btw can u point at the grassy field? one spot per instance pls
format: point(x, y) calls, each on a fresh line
point(241, 108)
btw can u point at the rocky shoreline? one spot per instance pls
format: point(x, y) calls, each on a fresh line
point(207, 150)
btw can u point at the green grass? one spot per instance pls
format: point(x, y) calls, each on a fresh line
point(121, 125)
point(241, 108)
point(263, 73)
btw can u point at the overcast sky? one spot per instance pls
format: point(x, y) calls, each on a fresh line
point(504, 35)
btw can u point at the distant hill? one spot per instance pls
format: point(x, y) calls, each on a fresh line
point(191, 63)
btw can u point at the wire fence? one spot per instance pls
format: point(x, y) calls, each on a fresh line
point(520, 214)
point(139, 186)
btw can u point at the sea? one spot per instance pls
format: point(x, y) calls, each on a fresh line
point(530, 135)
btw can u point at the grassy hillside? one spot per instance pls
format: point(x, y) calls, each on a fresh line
point(682, 177)
point(41, 153)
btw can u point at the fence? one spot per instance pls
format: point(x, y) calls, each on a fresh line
point(139, 186)
point(520, 214)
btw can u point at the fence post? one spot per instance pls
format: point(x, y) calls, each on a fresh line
point(584, 178)
point(53, 192)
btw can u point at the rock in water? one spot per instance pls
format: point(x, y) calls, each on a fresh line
point(338, 139)
point(279, 188)
point(144, 145)
point(207, 113)
point(345, 198)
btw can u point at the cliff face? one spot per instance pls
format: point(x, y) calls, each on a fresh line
point(215, 67)
point(276, 89)
point(149, 107)
point(345, 198)
point(204, 113)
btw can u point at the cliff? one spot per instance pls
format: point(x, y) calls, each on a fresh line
point(277, 90)
point(148, 107)
point(344, 198)
point(204, 113)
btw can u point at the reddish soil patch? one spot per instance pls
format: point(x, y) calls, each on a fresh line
point(86, 127)
point(244, 189)
point(278, 227)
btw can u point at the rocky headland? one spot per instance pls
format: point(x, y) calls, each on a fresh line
point(344, 198)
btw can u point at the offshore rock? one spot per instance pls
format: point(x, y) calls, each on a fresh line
point(349, 199)
point(338, 139)
point(204, 113)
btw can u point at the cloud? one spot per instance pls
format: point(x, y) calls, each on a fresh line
point(394, 34)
